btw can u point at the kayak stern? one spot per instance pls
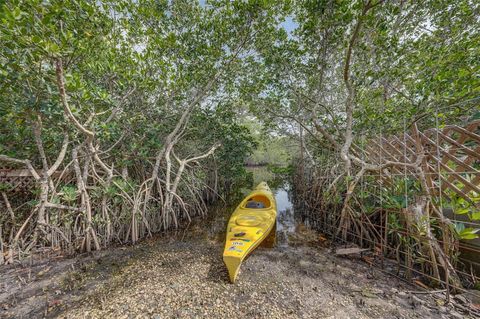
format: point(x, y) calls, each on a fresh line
point(233, 266)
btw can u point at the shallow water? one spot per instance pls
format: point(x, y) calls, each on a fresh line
point(285, 215)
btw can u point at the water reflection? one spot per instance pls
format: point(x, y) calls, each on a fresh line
point(285, 215)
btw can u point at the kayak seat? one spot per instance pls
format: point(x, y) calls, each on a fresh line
point(254, 204)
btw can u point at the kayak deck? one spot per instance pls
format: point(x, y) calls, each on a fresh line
point(251, 222)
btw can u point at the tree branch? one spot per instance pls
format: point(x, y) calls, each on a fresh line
point(207, 154)
point(61, 155)
point(27, 163)
point(63, 98)
point(344, 152)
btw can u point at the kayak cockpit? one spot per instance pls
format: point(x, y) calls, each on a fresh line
point(257, 202)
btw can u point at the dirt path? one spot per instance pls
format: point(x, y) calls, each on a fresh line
point(175, 278)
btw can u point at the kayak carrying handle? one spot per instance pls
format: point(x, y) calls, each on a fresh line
point(239, 234)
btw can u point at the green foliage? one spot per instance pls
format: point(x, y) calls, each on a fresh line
point(411, 61)
point(466, 233)
point(69, 193)
point(400, 193)
point(149, 59)
point(395, 226)
point(271, 148)
point(4, 187)
point(223, 125)
point(281, 170)
point(466, 208)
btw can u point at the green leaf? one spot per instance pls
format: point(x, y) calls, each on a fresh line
point(17, 13)
point(469, 233)
point(475, 216)
point(462, 211)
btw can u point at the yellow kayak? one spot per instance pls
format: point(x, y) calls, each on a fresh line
point(250, 224)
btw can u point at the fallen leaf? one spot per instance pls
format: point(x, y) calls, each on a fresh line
point(43, 272)
point(369, 294)
point(440, 302)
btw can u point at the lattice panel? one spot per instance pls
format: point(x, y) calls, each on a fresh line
point(18, 180)
point(453, 155)
point(452, 158)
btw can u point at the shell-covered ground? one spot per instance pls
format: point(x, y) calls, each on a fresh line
point(184, 277)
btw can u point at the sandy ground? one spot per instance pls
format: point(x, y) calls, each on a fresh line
point(184, 277)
